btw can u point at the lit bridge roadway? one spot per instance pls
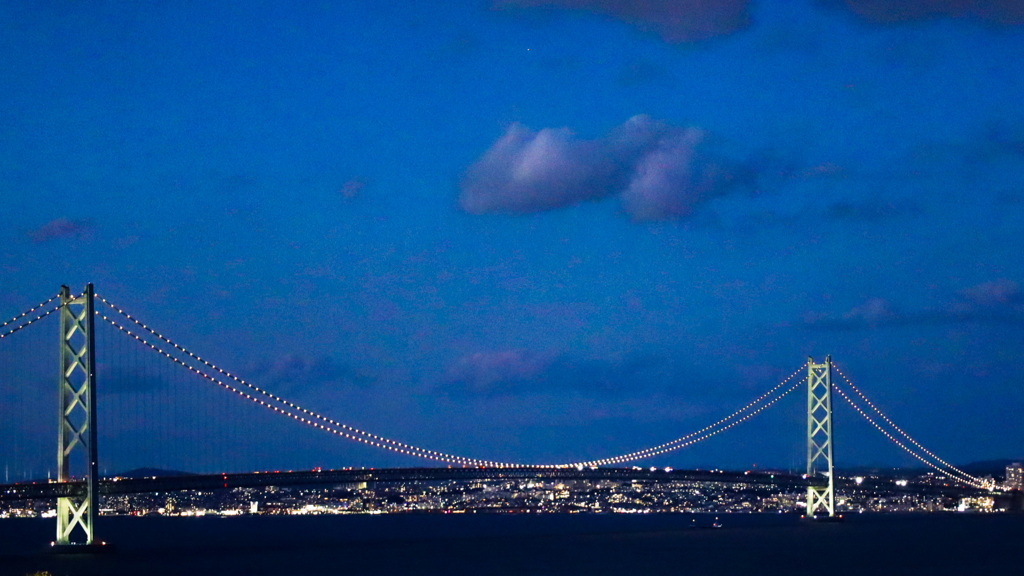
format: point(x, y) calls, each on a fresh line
point(763, 480)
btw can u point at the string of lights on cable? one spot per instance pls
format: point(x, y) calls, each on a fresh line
point(272, 400)
point(629, 458)
point(683, 441)
point(900, 430)
point(968, 480)
point(29, 311)
point(283, 406)
point(31, 321)
point(346, 432)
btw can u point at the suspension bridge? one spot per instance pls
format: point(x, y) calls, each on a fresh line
point(190, 384)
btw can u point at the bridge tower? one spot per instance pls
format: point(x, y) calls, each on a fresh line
point(77, 432)
point(821, 492)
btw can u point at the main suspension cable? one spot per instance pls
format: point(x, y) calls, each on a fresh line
point(679, 443)
point(967, 479)
point(898, 429)
point(30, 322)
point(301, 414)
point(364, 436)
point(357, 435)
point(682, 442)
point(29, 311)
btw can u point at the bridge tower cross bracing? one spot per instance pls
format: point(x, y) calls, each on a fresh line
point(821, 493)
point(77, 429)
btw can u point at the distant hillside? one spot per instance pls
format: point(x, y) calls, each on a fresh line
point(151, 472)
point(990, 467)
point(995, 468)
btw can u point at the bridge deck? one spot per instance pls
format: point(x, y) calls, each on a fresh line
point(43, 490)
point(49, 490)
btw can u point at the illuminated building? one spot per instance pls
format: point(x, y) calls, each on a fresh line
point(1015, 476)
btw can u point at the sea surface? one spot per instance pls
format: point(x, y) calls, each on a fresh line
point(933, 544)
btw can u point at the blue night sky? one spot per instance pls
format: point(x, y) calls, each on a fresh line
point(540, 230)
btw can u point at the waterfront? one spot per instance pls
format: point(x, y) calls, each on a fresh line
point(938, 543)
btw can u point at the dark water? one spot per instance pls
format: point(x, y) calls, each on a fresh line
point(935, 544)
